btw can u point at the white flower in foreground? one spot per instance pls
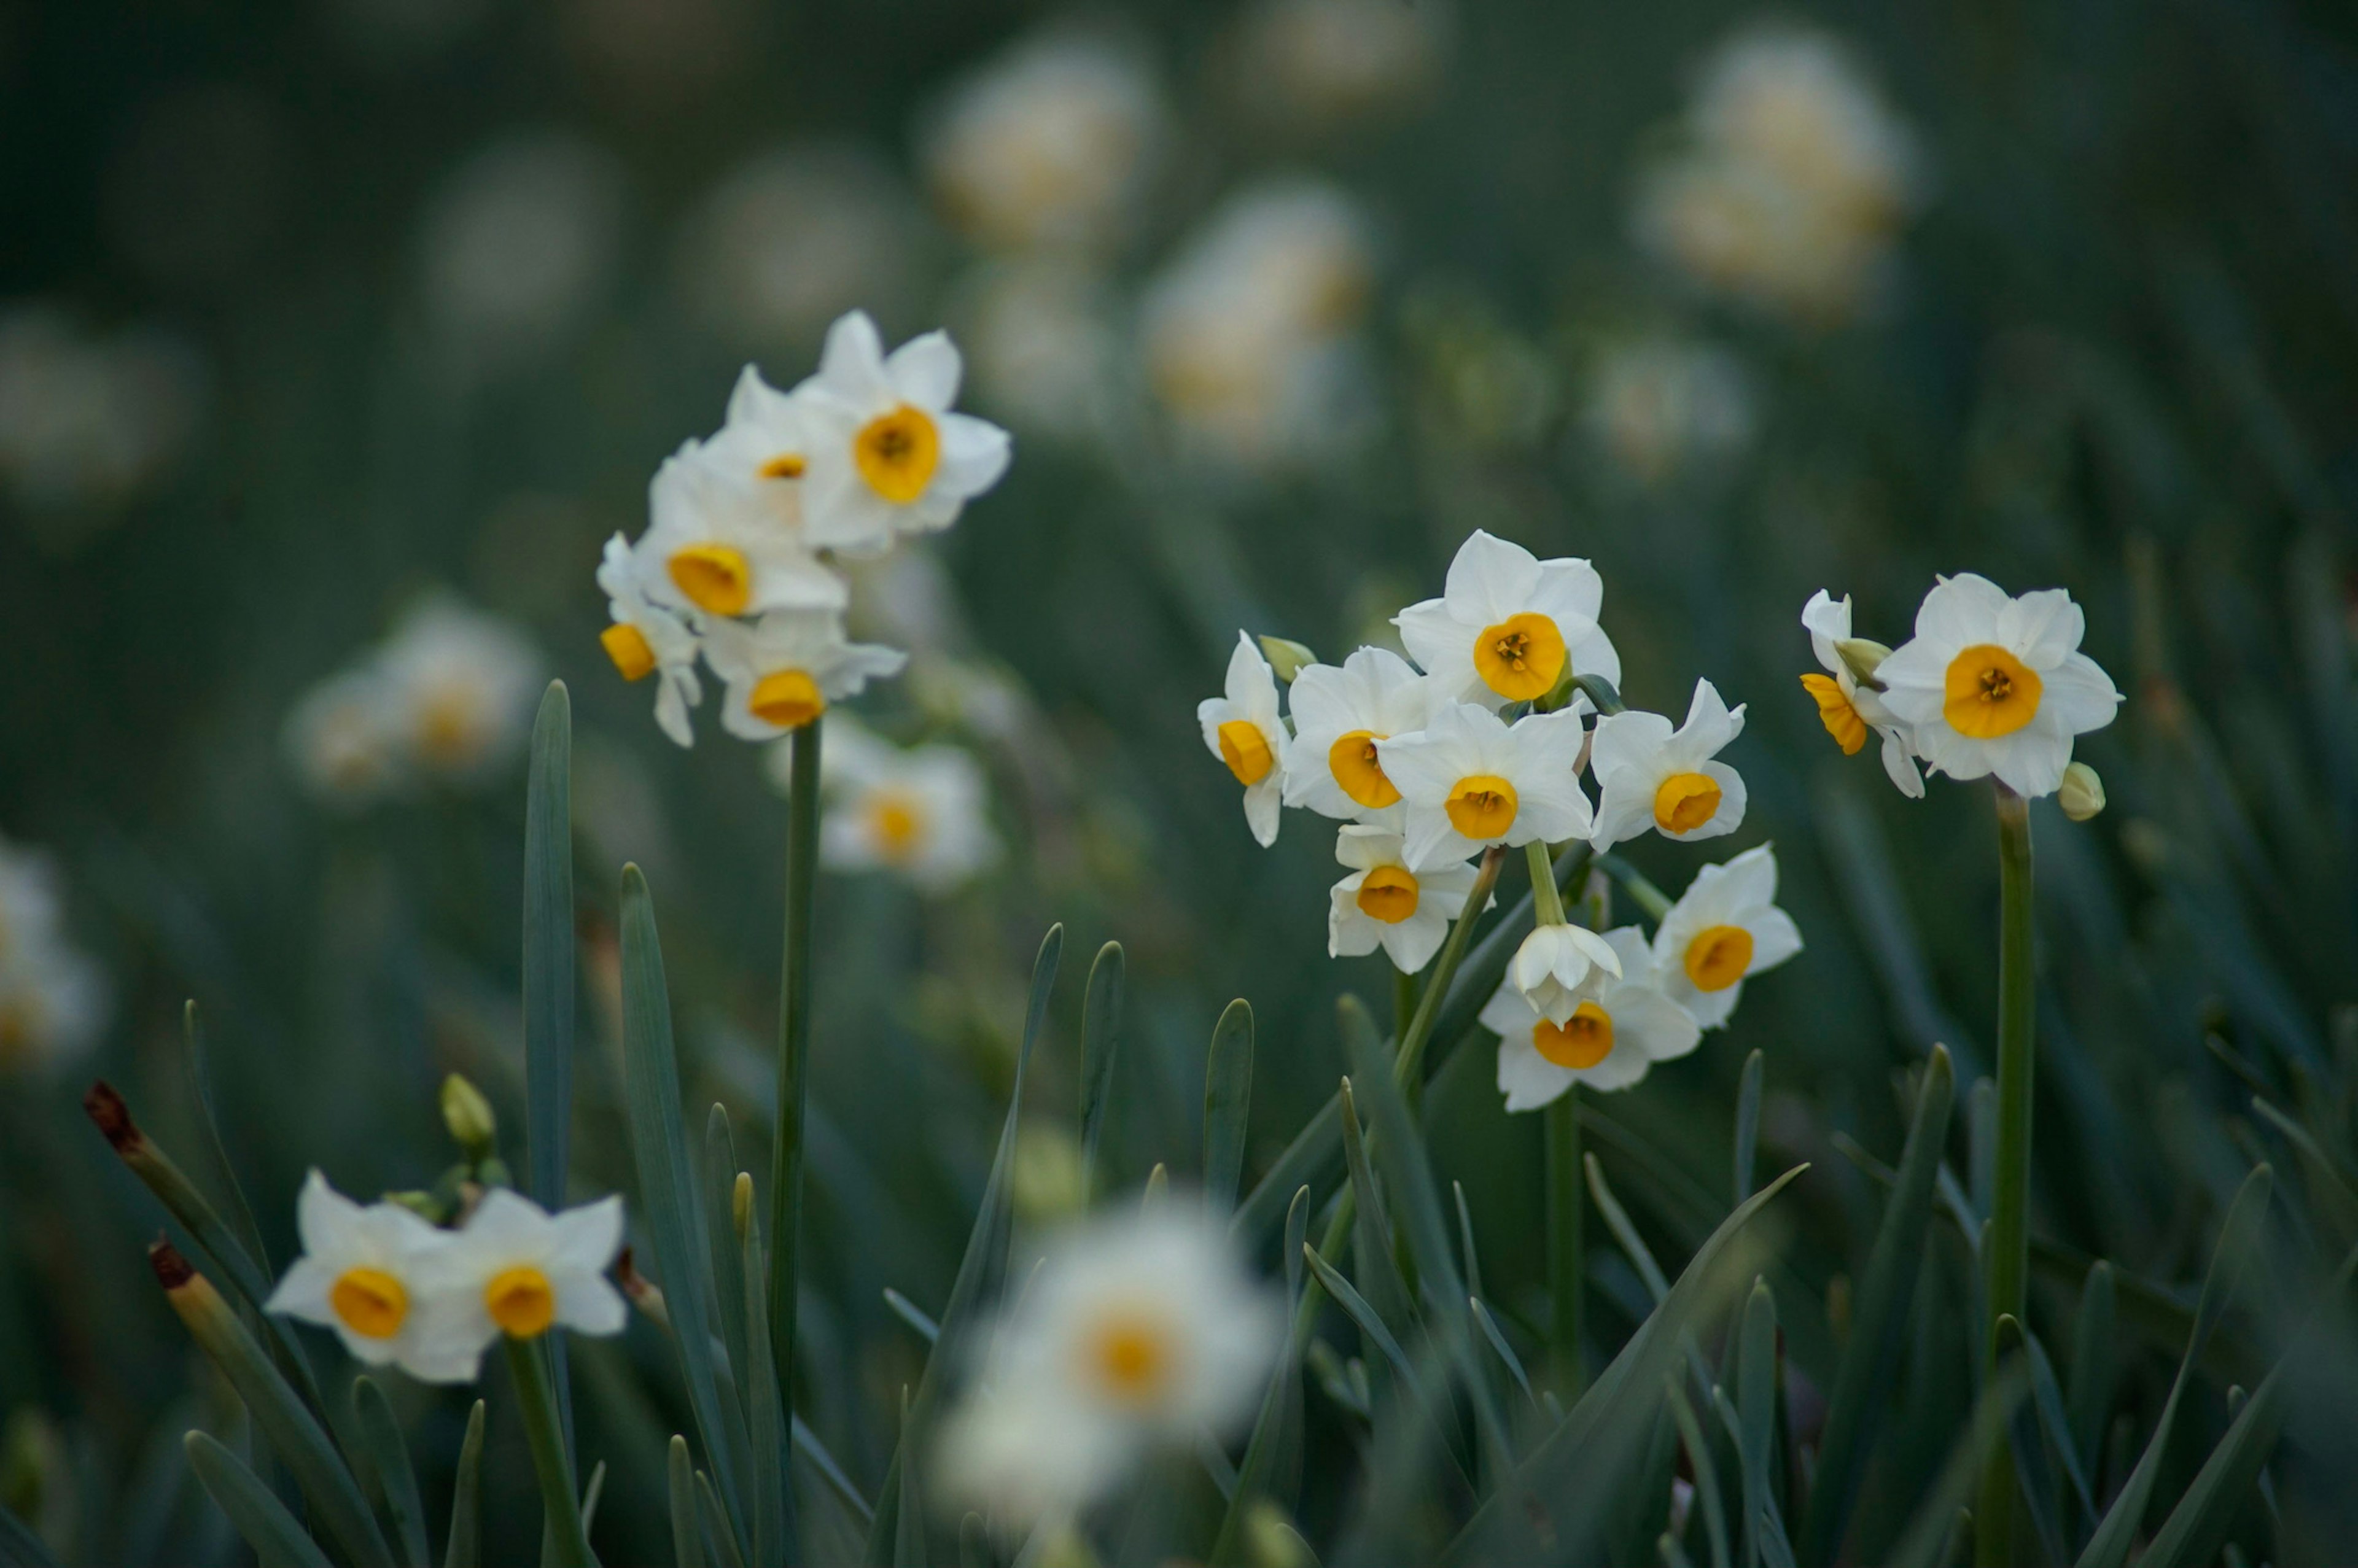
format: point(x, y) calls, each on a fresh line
point(783, 670)
point(1727, 925)
point(923, 812)
point(1339, 714)
point(1620, 1025)
point(515, 1269)
point(1386, 903)
point(339, 738)
point(1651, 776)
point(460, 685)
point(1508, 624)
point(368, 1274)
point(887, 455)
point(1994, 685)
point(646, 639)
point(52, 995)
point(719, 544)
point(1241, 728)
point(1847, 709)
point(1554, 963)
point(1469, 781)
point(1137, 1332)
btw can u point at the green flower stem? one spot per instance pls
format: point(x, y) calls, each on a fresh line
point(1545, 901)
point(1565, 1247)
point(2007, 1261)
point(1445, 970)
point(1403, 1003)
point(1647, 897)
point(793, 1054)
point(537, 1397)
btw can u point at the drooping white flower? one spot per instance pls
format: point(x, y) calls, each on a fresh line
point(1650, 776)
point(368, 1273)
point(1995, 685)
point(923, 812)
point(515, 1269)
point(459, 687)
point(1387, 903)
point(1469, 780)
point(1137, 1332)
point(1847, 707)
point(721, 542)
point(340, 740)
point(52, 994)
point(1554, 964)
point(1242, 729)
point(1619, 1026)
point(1727, 925)
point(887, 455)
point(783, 670)
point(1508, 625)
point(646, 638)
point(1339, 714)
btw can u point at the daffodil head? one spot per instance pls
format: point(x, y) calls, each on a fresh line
point(1614, 1026)
point(1724, 927)
point(1389, 903)
point(1242, 729)
point(367, 1273)
point(1508, 627)
point(517, 1270)
point(1554, 963)
point(1468, 780)
point(1666, 780)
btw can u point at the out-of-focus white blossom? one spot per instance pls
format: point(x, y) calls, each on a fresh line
point(90, 420)
point(1660, 405)
point(725, 538)
point(519, 243)
point(1322, 64)
point(646, 639)
point(920, 812)
point(363, 1274)
point(339, 738)
point(52, 995)
point(1045, 349)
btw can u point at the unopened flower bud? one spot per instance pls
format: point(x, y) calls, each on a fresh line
point(422, 1203)
point(1864, 656)
point(741, 1202)
point(1286, 657)
point(1047, 1175)
point(469, 1117)
point(2082, 794)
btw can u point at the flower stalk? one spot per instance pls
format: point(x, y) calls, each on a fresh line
point(1566, 1248)
point(536, 1400)
point(794, 1053)
point(2006, 1256)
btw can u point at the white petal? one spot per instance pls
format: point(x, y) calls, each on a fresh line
point(589, 1237)
point(2081, 694)
point(304, 1292)
point(588, 1303)
point(1657, 1026)
point(1350, 933)
point(925, 372)
point(1733, 797)
point(1489, 580)
point(975, 453)
point(1631, 740)
point(2046, 627)
point(1775, 938)
point(1411, 942)
point(1827, 621)
point(1261, 808)
point(1900, 764)
point(851, 365)
point(1959, 612)
point(1527, 1079)
point(324, 1218)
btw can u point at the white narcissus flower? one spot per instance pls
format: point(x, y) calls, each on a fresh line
point(1847, 709)
point(783, 670)
point(647, 639)
point(1387, 903)
point(1339, 714)
point(339, 738)
point(1554, 963)
point(1508, 625)
point(1621, 1024)
point(1241, 728)
point(52, 995)
point(762, 445)
point(1650, 776)
point(718, 546)
point(1137, 1332)
point(1995, 685)
point(923, 812)
point(1727, 925)
point(459, 686)
point(515, 1269)
point(1470, 781)
point(887, 455)
point(368, 1273)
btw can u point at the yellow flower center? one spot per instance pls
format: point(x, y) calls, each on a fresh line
point(898, 822)
point(1718, 956)
point(785, 465)
point(1387, 893)
point(1130, 1357)
point(897, 453)
point(369, 1301)
point(1353, 762)
point(1686, 802)
point(1584, 1039)
point(787, 698)
point(450, 726)
point(1521, 657)
point(717, 577)
point(1481, 806)
point(1989, 693)
point(1246, 750)
point(521, 1301)
point(1835, 712)
point(627, 646)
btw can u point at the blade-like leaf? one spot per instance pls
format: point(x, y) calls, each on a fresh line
point(1490, 1331)
point(2035, 1491)
point(1706, 1473)
point(388, 1455)
point(1748, 1123)
point(253, 1507)
point(240, 1213)
point(767, 1424)
point(1465, 1239)
point(686, 1540)
point(465, 1545)
point(1281, 1398)
point(717, 1173)
point(19, 1547)
point(1227, 1102)
point(909, 1540)
point(1100, 1038)
point(2095, 1364)
point(548, 990)
point(1929, 1536)
point(2047, 1394)
point(717, 1532)
point(1371, 1229)
point(1757, 1408)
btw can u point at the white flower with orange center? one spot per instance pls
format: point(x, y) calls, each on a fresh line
point(1619, 1025)
point(1339, 714)
point(53, 996)
point(1727, 925)
point(646, 639)
point(1138, 1332)
point(514, 1268)
point(1387, 903)
point(368, 1274)
point(1469, 780)
point(1242, 729)
point(783, 670)
point(920, 812)
point(718, 546)
point(887, 455)
point(1995, 685)
point(1847, 706)
point(764, 446)
point(1555, 964)
point(459, 686)
point(1508, 626)
point(1651, 778)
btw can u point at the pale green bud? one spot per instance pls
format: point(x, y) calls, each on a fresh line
point(469, 1117)
point(741, 1202)
point(2082, 794)
point(1864, 656)
point(1272, 1542)
point(1287, 657)
point(1047, 1175)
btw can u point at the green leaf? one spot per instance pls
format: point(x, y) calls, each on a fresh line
point(1617, 1220)
point(909, 1540)
point(1100, 1038)
point(2095, 1364)
point(1699, 1462)
point(465, 1549)
point(717, 1532)
point(1281, 1398)
point(810, 1451)
point(2036, 1478)
point(2047, 1394)
point(1506, 1352)
point(1228, 1103)
point(1926, 1543)
point(19, 1547)
point(1748, 1123)
point(1465, 1239)
point(388, 1455)
point(1757, 1408)
point(686, 1540)
point(249, 1235)
point(273, 1532)
point(1870, 1360)
point(719, 1170)
point(548, 989)
point(767, 1424)
point(2110, 1546)
point(667, 1203)
point(1371, 1230)
point(1354, 1306)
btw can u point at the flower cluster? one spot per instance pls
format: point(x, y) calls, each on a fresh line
point(736, 563)
point(1990, 686)
point(400, 1291)
point(448, 695)
point(52, 997)
point(1481, 744)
